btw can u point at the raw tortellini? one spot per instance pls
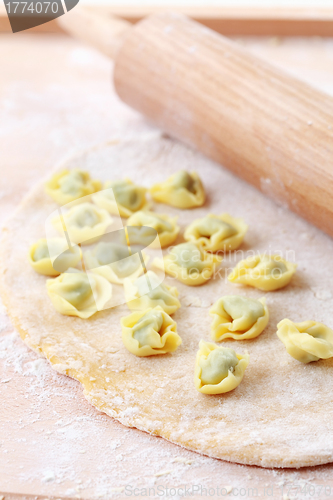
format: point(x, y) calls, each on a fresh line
point(238, 318)
point(74, 293)
point(307, 341)
point(114, 262)
point(70, 185)
point(125, 198)
point(189, 263)
point(150, 332)
point(148, 291)
point(182, 190)
point(85, 223)
point(216, 232)
point(266, 272)
point(166, 226)
point(218, 369)
point(40, 260)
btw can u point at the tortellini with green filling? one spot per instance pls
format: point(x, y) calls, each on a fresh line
point(126, 199)
point(148, 291)
point(307, 341)
point(182, 190)
point(150, 332)
point(266, 272)
point(166, 226)
point(85, 223)
point(74, 293)
point(40, 260)
point(189, 263)
point(217, 232)
point(238, 317)
point(69, 185)
point(218, 369)
point(114, 262)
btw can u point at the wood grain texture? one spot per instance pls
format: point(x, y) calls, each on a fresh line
point(269, 128)
point(105, 33)
point(225, 20)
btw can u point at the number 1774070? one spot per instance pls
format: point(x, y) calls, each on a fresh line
point(20, 8)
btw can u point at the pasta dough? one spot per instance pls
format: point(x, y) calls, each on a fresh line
point(307, 341)
point(75, 293)
point(189, 264)
point(150, 332)
point(181, 190)
point(84, 223)
point(124, 199)
point(69, 185)
point(216, 232)
point(218, 369)
point(238, 317)
point(280, 401)
point(166, 226)
point(41, 262)
point(114, 262)
point(266, 272)
point(148, 291)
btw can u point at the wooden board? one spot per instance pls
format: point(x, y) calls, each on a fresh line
point(55, 100)
point(226, 20)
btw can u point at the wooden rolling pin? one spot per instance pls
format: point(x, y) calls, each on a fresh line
point(266, 126)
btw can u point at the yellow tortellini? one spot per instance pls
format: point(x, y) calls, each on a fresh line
point(127, 198)
point(148, 291)
point(85, 223)
point(69, 185)
point(150, 332)
point(216, 232)
point(189, 263)
point(218, 369)
point(74, 293)
point(238, 317)
point(166, 226)
point(307, 341)
point(266, 272)
point(182, 190)
point(114, 262)
point(40, 260)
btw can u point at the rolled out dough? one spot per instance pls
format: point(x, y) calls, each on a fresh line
point(281, 414)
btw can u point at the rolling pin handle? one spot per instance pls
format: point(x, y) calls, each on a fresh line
point(104, 32)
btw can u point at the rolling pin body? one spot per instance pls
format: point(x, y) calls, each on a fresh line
point(266, 126)
point(269, 128)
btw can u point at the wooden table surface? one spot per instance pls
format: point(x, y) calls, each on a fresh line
point(56, 99)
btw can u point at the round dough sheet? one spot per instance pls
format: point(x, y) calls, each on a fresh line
point(281, 414)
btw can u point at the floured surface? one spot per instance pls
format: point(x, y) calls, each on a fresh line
point(279, 415)
point(55, 443)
